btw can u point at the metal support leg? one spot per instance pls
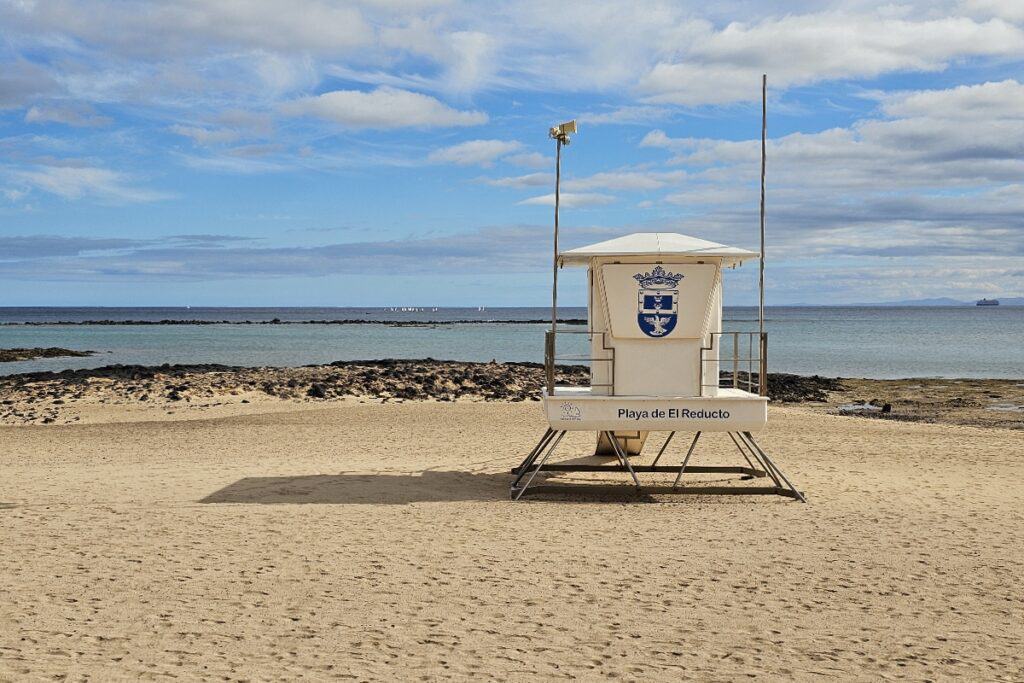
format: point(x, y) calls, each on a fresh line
point(745, 447)
point(740, 443)
point(622, 458)
point(522, 489)
point(663, 447)
point(689, 452)
point(529, 459)
point(755, 453)
point(768, 461)
point(548, 433)
point(771, 464)
point(742, 452)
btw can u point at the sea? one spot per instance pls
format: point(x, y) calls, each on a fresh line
point(862, 341)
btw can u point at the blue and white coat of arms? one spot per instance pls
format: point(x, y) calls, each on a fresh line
point(658, 301)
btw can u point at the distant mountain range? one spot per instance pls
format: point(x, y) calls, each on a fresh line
point(943, 301)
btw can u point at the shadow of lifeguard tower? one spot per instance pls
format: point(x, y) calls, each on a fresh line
point(657, 362)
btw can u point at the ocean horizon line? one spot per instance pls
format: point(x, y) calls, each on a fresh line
point(1010, 302)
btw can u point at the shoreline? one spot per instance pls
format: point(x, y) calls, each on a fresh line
point(15, 355)
point(278, 321)
point(63, 397)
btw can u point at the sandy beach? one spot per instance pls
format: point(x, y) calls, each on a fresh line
point(376, 541)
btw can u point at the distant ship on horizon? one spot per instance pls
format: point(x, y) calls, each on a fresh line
point(987, 302)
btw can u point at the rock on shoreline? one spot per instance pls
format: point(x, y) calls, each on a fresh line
point(45, 396)
point(11, 355)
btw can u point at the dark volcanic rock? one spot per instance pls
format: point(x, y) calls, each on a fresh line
point(386, 379)
point(9, 355)
point(786, 388)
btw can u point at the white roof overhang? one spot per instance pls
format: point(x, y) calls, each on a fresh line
point(657, 245)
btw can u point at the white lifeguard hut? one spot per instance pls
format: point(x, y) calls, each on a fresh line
point(659, 362)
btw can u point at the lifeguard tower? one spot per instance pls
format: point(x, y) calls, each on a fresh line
point(659, 362)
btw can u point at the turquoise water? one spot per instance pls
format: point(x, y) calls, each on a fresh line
point(877, 342)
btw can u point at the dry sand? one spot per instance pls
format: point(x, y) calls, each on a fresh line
point(372, 541)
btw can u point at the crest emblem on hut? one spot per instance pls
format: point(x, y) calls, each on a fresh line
point(657, 301)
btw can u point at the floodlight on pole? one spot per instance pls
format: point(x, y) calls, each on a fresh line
point(562, 131)
point(560, 134)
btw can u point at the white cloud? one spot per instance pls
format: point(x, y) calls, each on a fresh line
point(281, 74)
point(1011, 10)
point(978, 103)
point(383, 108)
point(648, 54)
point(935, 176)
point(473, 152)
point(249, 122)
point(13, 194)
point(725, 66)
point(666, 52)
point(629, 114)
point(22, 81)
point(857, 280)
point(528, 180)
point(79, 115)
point(79, 181)
point(170, 28)
point(234, 161)
point(658, 138)
point(205, 136)
point(531, 160)
point(571, 200)
point(580, 189)
point(625, 180)
point(472, 63)
point(969, 135)
point(655, 138)
point(515, 248)
point(227, 127)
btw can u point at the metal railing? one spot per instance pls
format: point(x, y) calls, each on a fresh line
point(551, 359)
point(749, 373)
point(746, 369)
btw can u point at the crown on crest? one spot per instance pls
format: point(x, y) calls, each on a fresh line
point(659, 278)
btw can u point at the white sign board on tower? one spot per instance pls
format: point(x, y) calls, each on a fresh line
point(652, 301)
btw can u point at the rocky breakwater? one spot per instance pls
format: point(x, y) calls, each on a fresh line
point(48, 397)
point(11, 355)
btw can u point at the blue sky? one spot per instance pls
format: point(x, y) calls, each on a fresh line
point(394, 152)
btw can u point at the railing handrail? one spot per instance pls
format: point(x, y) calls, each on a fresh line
point(550, 357)
point(761, 359)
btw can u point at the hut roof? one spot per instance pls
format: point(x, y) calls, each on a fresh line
point(656, 244)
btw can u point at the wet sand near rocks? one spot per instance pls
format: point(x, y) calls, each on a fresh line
point(375, 541)
point(979, 402)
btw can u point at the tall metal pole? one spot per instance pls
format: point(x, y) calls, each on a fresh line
point(764, 135)
point(554, 262)
point(550, 338)
point(560, 134)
